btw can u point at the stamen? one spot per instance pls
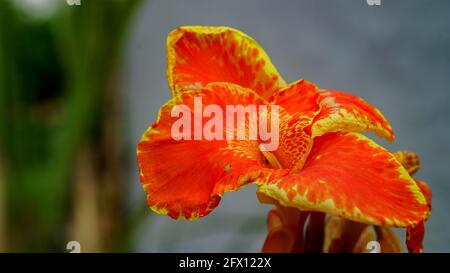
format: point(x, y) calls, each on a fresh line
point(272, 159)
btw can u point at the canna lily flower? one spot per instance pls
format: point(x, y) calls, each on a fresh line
point(323, 169)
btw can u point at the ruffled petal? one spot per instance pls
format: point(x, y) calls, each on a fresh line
point(426, 191)
point(350, 176)
point(199, 55)
point(342, 112)
point(299, 99)
point(185, 178)
point(410, 161)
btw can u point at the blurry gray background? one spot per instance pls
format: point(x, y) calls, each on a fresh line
point(396, 56)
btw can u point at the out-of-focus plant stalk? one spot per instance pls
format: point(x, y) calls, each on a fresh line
point(112, 177)
point(3, 217)
point(3, 86)
point(85, 227)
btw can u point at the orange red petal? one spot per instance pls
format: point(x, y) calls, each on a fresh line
point(199, 55)
point(298, 99)
point(426, 191)
point(185, 178)
point(350, 176)
point(342, 112)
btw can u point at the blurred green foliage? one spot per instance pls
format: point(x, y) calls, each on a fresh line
point(55, 79)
